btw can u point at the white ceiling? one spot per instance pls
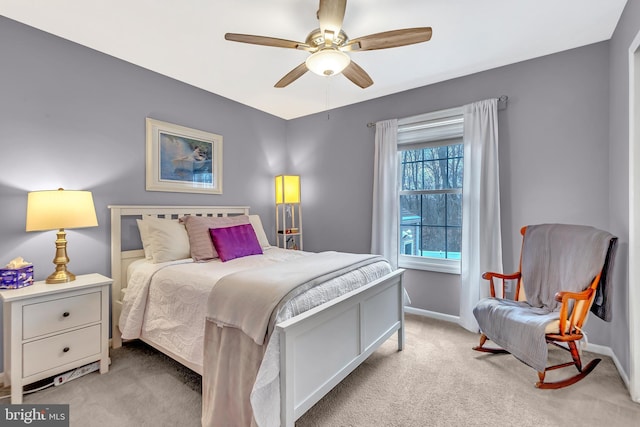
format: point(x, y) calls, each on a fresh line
point(185, 40)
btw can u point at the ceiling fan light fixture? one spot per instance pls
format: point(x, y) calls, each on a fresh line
point(328, 61)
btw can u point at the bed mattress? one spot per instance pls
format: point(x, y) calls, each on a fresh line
point(166, 303)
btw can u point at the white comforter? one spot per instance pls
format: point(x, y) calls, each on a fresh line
point(172, 312)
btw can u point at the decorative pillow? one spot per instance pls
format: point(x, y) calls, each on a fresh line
point(168, 240)
point(260, 234)
point(236, 241)
point(199, 237)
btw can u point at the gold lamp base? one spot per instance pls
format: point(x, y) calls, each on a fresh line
point(61, 275)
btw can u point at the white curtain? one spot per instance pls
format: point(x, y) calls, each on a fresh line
point(384, 232)
point(481, 237)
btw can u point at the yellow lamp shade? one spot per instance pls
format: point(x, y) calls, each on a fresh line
point(57, 209)
point(287, 189)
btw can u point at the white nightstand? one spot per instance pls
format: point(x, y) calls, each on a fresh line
point(51, 329)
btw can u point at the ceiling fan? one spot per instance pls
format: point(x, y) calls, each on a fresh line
point(329, 43)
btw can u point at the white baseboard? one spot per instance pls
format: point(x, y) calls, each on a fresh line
point(593, 348)
point(431, 314)
point(606, 351)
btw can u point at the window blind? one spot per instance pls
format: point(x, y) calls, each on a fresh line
point(430, 129)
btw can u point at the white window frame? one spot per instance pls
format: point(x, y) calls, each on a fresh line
point(428, 130)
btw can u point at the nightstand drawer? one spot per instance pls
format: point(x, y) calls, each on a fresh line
point(60, 314)
point(58, 350)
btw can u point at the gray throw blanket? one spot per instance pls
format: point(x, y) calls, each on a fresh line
point(555, 257)
point(250, 300)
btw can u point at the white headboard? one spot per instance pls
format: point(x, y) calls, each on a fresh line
point(121, 259)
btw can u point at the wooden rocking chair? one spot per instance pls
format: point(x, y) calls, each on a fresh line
point(566, 313)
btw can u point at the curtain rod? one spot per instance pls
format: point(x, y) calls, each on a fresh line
point(502, 104)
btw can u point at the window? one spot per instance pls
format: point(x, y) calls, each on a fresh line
point(431, 160)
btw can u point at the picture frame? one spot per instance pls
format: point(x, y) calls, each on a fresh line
point(181, 159)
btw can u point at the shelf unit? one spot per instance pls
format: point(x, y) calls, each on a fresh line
point(288, 212)
point(289, 226)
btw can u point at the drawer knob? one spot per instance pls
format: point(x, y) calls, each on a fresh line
point(66, 349)
point(65, 314)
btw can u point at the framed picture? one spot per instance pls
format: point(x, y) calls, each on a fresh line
point(183, 159)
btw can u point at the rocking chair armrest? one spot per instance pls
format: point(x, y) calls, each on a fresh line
point(563, 296)
point(489, 275)
point(575, 318)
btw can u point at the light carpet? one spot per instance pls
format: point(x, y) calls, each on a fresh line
point(436, 381)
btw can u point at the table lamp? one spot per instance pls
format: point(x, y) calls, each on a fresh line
point(57, 210)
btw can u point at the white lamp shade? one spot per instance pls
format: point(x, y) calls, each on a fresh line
point(56, 209)
point(327, 62)
point(287, 189)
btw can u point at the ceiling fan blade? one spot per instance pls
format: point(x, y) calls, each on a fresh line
point(331, 15)
point(357, 75)
point(292, 76)
point(389, 39)
point(266, 41)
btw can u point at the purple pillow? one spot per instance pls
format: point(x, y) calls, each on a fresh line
point(199, 236)
point(235, 242)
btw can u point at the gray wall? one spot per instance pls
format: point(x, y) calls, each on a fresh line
point(628, 27)
point(553, 158)
point(75, 118)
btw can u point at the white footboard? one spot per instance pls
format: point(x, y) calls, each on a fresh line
point(320, 347)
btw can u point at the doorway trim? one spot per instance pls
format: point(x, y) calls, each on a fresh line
point(634, 218)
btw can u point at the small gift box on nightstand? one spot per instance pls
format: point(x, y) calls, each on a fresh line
point(16, 274)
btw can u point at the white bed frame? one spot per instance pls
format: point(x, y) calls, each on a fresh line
point(318, 348)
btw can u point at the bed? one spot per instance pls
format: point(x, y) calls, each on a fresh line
point(291, 369)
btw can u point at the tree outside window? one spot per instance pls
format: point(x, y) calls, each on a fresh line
point(431, 201)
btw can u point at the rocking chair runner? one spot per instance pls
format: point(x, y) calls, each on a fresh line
point(563, 268)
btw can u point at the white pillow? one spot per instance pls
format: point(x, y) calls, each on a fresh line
point(260, 234)
point(168, 239)
point(144, 236)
